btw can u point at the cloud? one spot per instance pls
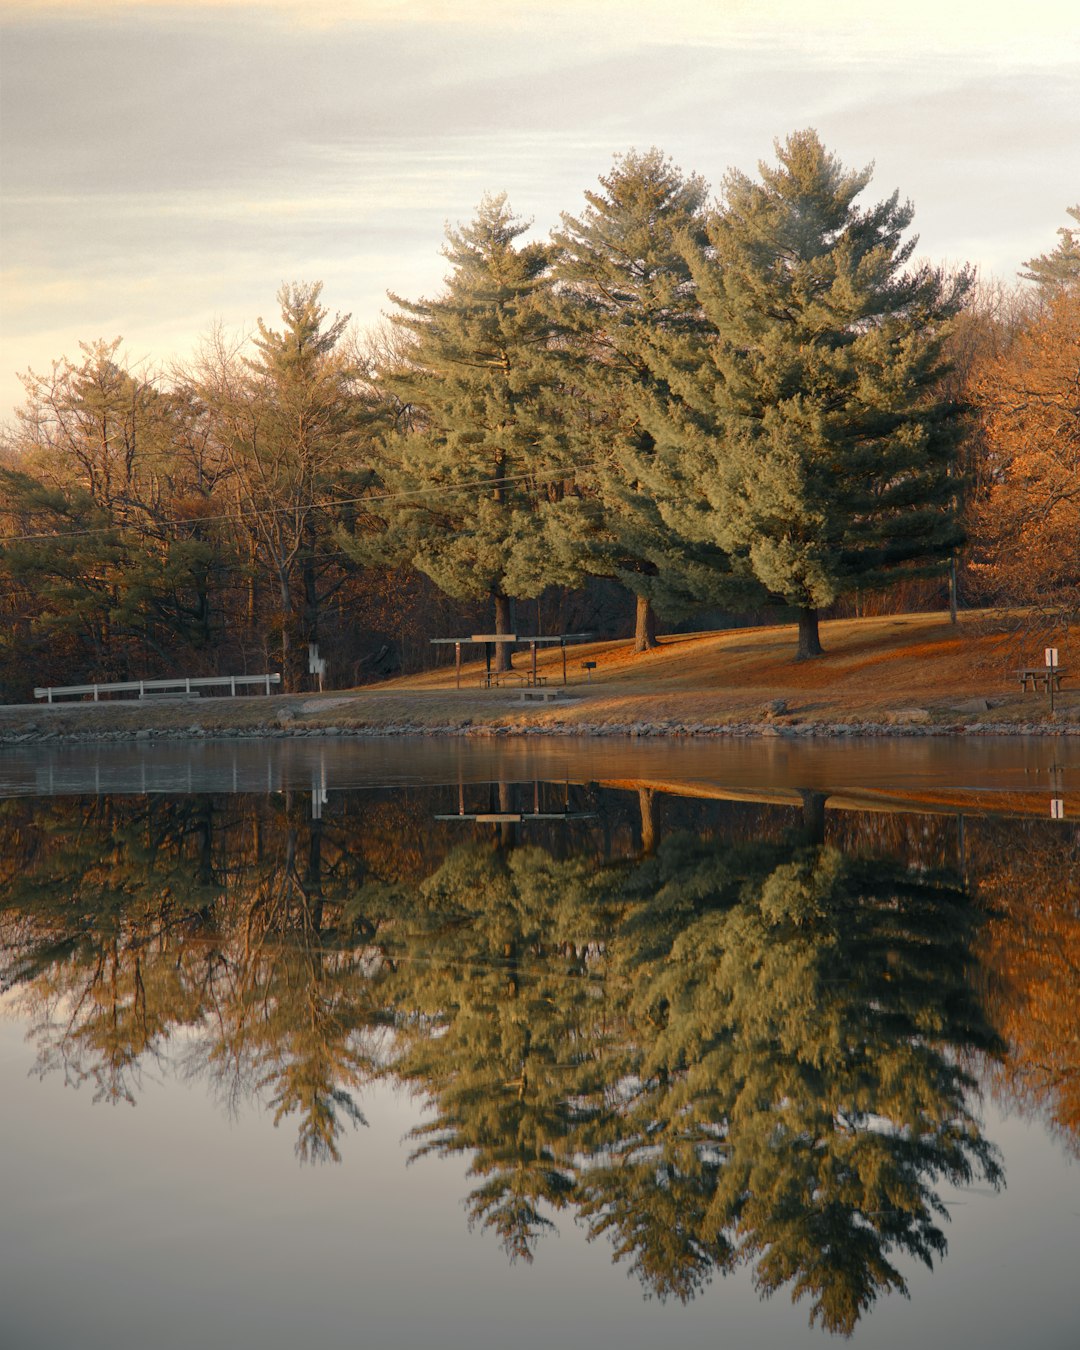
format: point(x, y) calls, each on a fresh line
point(838, 28)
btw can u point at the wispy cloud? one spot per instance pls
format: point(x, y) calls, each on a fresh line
point(165, 164)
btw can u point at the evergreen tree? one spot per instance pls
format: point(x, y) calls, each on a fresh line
point(480, 454)
point(806, 439)
point(1061, 266)
point(290, 425)
point(623, 285)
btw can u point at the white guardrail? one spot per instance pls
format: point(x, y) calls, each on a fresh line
point(149, 688)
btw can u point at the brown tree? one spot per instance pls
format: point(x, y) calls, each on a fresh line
point(1026, 518)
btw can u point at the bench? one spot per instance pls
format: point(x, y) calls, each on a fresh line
point(1034, 678)
point(497, 678)
point(540, 695)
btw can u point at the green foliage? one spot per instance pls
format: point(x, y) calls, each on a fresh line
point(480, 455)
point(624, 288)
point(1060, 267)
point(804, 436)
point(799, 1038)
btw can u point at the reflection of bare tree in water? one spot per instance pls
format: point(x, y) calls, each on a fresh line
point(1030, 884)
point(152, 920)
point(292, 1015)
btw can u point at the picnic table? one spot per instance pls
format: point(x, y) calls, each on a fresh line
point(489, 641)
point(1034, 678)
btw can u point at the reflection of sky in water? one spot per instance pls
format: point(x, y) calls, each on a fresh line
point(197, 1223)
point(987, 766)
point(168, 1225)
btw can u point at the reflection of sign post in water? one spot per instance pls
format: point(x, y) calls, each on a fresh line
point(319, 792)
point(1051, 671)
point(1057, 804)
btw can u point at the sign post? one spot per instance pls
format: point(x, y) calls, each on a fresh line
point(1051, 654)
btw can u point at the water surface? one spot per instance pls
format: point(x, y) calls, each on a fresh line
point(378, 1044)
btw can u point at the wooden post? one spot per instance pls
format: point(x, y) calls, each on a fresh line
point(532, 646)
point(457, 663)
point(562, 644)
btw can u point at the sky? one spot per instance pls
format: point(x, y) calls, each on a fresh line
point(166, 167)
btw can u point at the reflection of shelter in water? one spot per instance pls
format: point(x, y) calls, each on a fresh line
point(505, 814)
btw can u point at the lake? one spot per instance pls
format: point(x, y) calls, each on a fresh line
point(484, 1042)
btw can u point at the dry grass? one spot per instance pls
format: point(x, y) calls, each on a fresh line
point(872, 670)
point(908, 668)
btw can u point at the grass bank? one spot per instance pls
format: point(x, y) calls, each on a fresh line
point(901, 674)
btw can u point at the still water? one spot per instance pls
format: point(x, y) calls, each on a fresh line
point(478, 1044)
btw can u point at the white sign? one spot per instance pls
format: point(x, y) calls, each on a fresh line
point(1057, 808)
point(1051, 656)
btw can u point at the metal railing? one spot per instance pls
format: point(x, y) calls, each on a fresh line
point(184, 684)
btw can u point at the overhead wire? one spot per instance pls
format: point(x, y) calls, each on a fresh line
point(442, 489)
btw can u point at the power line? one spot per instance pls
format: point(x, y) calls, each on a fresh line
point(445, 489)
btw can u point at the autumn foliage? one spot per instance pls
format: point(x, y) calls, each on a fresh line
point(1026, 521)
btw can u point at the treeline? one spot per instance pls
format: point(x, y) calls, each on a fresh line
point(678, 406)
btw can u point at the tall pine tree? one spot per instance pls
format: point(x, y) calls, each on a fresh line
point(479, 456)
point(807, 440)
point(623, 286)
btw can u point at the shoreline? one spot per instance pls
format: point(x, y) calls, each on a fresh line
point(30, 735)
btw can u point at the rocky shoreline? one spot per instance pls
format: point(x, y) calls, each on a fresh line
point(34, 735)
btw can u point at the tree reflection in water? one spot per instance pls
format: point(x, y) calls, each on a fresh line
point(725, 1047)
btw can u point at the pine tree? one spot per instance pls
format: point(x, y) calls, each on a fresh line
point(479, 457)
point(807, 440)
point(290, 426)
point(623, 286)
point(1061, 266)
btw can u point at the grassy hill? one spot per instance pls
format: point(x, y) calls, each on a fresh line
point(897, 671)
point(895, 668)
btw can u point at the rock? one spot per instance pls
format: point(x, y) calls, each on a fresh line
point(971, 705)
point(908, 717)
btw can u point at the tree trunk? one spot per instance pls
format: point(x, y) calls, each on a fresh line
point(813, 808)
point(809, 640)
point(648, 823)
point(311, 588)
point(644, 626)
point(507, 829)
point(502, 625)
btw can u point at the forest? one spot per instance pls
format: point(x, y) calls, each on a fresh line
point(678, 408)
